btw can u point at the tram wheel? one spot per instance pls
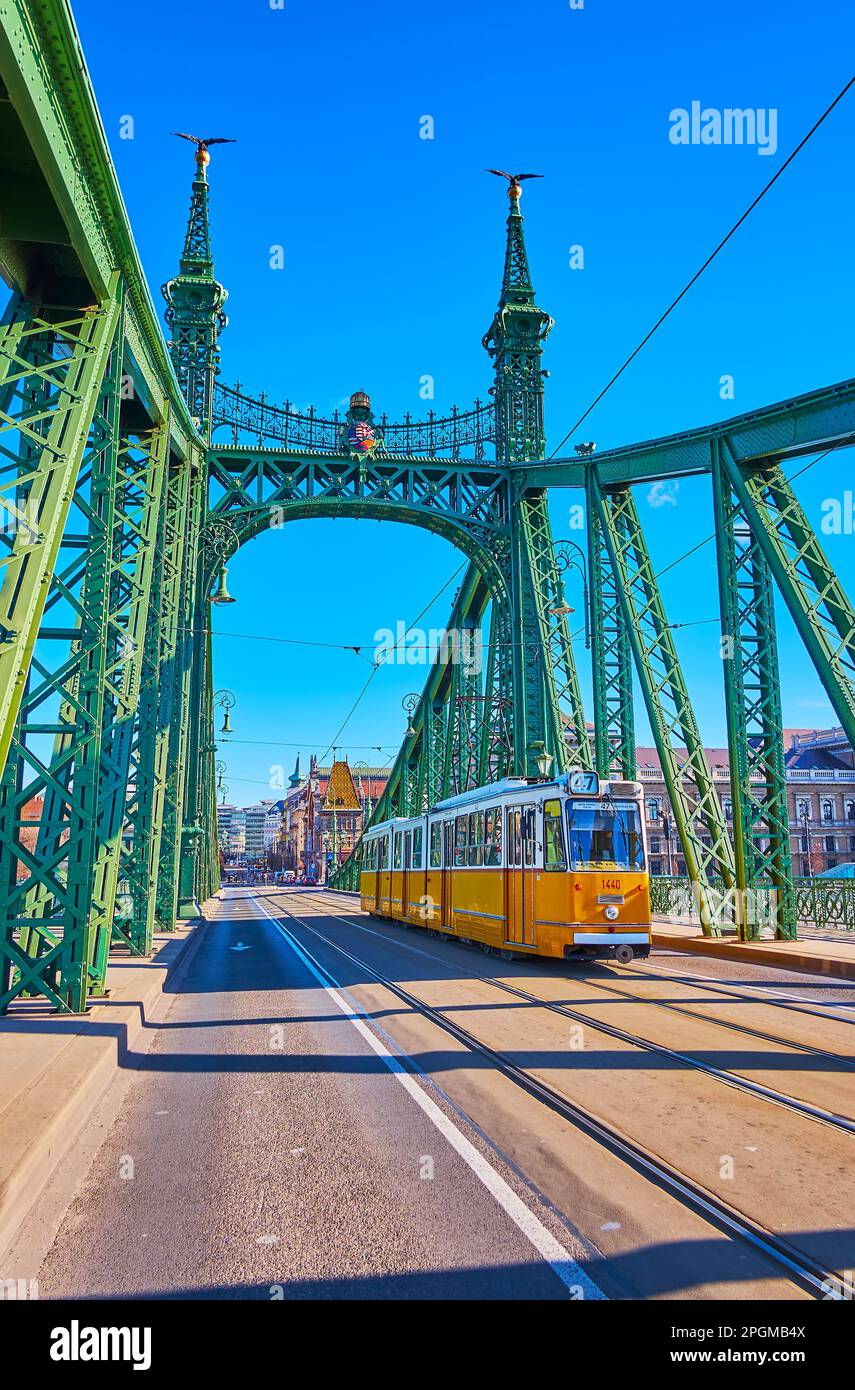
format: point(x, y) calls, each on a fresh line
point(624, 954)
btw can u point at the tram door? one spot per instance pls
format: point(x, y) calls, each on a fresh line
point(448, 863)
point(519, 875)
point(405, 875)
point(377, 851)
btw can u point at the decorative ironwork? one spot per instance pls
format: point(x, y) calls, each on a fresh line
point(242, 419)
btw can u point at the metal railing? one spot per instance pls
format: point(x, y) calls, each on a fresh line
point(273, 426)
point(821, 903)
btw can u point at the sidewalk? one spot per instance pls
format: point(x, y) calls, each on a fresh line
point(55, 1069)
point(820, 953)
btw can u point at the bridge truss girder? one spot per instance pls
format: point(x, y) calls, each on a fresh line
point(105, 659)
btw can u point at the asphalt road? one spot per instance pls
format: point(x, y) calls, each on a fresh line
point(272, 1150)
point(288, 1138)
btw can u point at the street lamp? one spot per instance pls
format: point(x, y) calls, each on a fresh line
point(409, 705)
point(225, 700)
point(667, 827)
point(359, 769)
point(569, 556)
point(221, 593)
point(544, 762)
point(805, 818)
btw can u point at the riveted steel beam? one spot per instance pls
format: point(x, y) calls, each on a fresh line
point(669, 709)
point(761, 836)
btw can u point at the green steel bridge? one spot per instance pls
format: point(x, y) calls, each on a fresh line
point(130, 475)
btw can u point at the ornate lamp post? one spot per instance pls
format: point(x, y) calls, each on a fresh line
point(409, 705)
point(569, 556)
point(667, 829)
point(805, 818)
point(225, 700)
point(365, 798)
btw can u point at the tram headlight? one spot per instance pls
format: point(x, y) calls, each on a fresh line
point(612, 913)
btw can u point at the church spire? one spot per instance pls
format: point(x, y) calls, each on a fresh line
point(194, 301)
point(514, 340)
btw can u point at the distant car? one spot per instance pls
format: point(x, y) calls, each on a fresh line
point(839, 871)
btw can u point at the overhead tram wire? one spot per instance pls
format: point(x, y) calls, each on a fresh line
point(711, 537)
point(684, 291)
point(377, 664)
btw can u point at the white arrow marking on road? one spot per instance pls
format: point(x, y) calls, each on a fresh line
point(240, 947)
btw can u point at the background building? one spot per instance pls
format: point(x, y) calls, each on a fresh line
point(820, 771)
point(231, 831)
point(324, 812)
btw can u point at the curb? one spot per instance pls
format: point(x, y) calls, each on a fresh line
point(83, 1085)
point(758, 953)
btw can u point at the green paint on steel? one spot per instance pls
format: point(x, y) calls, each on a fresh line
point(118, 511)
point(749, 657)
point(687, 775)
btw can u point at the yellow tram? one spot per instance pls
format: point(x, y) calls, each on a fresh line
point(553, 868)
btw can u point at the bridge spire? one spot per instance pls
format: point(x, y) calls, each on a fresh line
point(514, 340)
point(194, 301)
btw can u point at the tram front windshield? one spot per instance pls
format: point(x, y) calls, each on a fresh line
point(605, 835)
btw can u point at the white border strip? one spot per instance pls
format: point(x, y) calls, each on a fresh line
point(573, 1277)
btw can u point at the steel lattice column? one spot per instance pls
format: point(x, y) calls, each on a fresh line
point(548, 703)
point(496, 752)
point(754, 724)
point(180, 836)
point(141, 857)
point(611, 658)
point(818, 604)
point(666, 698)
point(52, 365)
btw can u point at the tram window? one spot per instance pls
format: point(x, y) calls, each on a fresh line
point(476, 838)
point(408, 848)
point(528, 835)
point(514, 839)
point(605, 834)
point(553, 837)
point(461, 831)
point(417, 847)
point(436, 845)
point(397, 854)
point(493, 836)
point(386, 851)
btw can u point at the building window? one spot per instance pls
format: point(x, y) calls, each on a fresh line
point(805, 844)
point(656, 845)
point(653, 808)
point(850, 811)
point(828, 811)
point(832, 864)
point(728, 808)
point(852, 842)
point(802, 808)
point(806, 868)
point(656, 867)
point(830, 846)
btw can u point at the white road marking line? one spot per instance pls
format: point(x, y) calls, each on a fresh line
point(572, 1276)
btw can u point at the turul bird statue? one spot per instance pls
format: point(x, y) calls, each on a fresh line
point(514, 180)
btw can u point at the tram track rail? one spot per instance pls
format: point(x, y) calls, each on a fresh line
point(789, 1003)
point(728, 1078)
point(801, 1269)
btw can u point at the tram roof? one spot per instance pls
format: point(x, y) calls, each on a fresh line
point(507, 784)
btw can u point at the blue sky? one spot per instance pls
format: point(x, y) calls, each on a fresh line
point(393, 253)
